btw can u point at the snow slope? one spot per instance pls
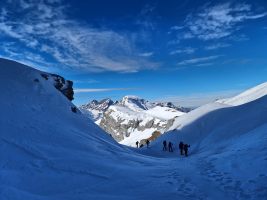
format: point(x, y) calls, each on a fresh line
point(247, 96)
point(164, 113)
point(228, 143)
point(49, 152)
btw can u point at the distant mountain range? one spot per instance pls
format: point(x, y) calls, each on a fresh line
point(132, 118)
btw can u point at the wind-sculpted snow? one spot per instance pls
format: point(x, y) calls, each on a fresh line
point(49, 152)
point(247, 96)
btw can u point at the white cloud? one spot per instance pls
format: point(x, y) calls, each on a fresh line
point(204, 64)
point(89, 81)
point(25, 57)
point(87, 90)
point(186, 50)
point(147, 54)
point(239, 38)
point(176, 28)
point(45, 29)
point(219, 21)
point(146, 17)
point(217, 46)
point(198, 60)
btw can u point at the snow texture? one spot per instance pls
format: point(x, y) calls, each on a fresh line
point(49, 152)
point(247, 96)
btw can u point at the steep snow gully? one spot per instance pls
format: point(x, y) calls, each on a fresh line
point(47, 151)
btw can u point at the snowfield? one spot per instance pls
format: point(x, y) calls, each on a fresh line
point(49, 152)
point(247, 96)
point(164, 113)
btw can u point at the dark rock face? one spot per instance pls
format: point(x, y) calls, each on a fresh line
point(153, 137)
point(171, 105)
point(64, 86)
point(68, 90)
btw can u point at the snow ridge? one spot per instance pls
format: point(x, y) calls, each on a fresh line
point(247, 96)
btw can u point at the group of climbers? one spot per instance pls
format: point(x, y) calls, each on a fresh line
point(141, 145)
point(183, 147)
point(170, 149)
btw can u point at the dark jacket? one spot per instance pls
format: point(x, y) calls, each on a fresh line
point(181, 145)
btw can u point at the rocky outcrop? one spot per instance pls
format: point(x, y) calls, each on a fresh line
point(64, 86)
point(153, 137)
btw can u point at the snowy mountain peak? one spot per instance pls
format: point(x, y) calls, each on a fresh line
point(134, 103)
point(171, 105)
point(246, 96)
point(98, 105)
point(95, 109)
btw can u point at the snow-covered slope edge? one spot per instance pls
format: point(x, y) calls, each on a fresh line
point(219, 121)
point(48, 151)
point(247, 96)
point(229, 145)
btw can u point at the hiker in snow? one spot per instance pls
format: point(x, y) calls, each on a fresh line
point(186, 146)
point(137, 143)
point(164, 145)
point(170, 147)
point(181, 147)
point(147, 143)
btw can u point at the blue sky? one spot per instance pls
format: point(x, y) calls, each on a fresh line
point(186, 52)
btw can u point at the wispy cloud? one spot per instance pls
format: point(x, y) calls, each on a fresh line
point(198, 60)
point(88, 90)
point(239, 38)
point(146, 54)
point(198, 99)
point(176, 28)
point(44, 28)
point(219, 21)
point(217, 46)
point(89, 81)
point(204, 64)
point(186, 50)
point(146, 17)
